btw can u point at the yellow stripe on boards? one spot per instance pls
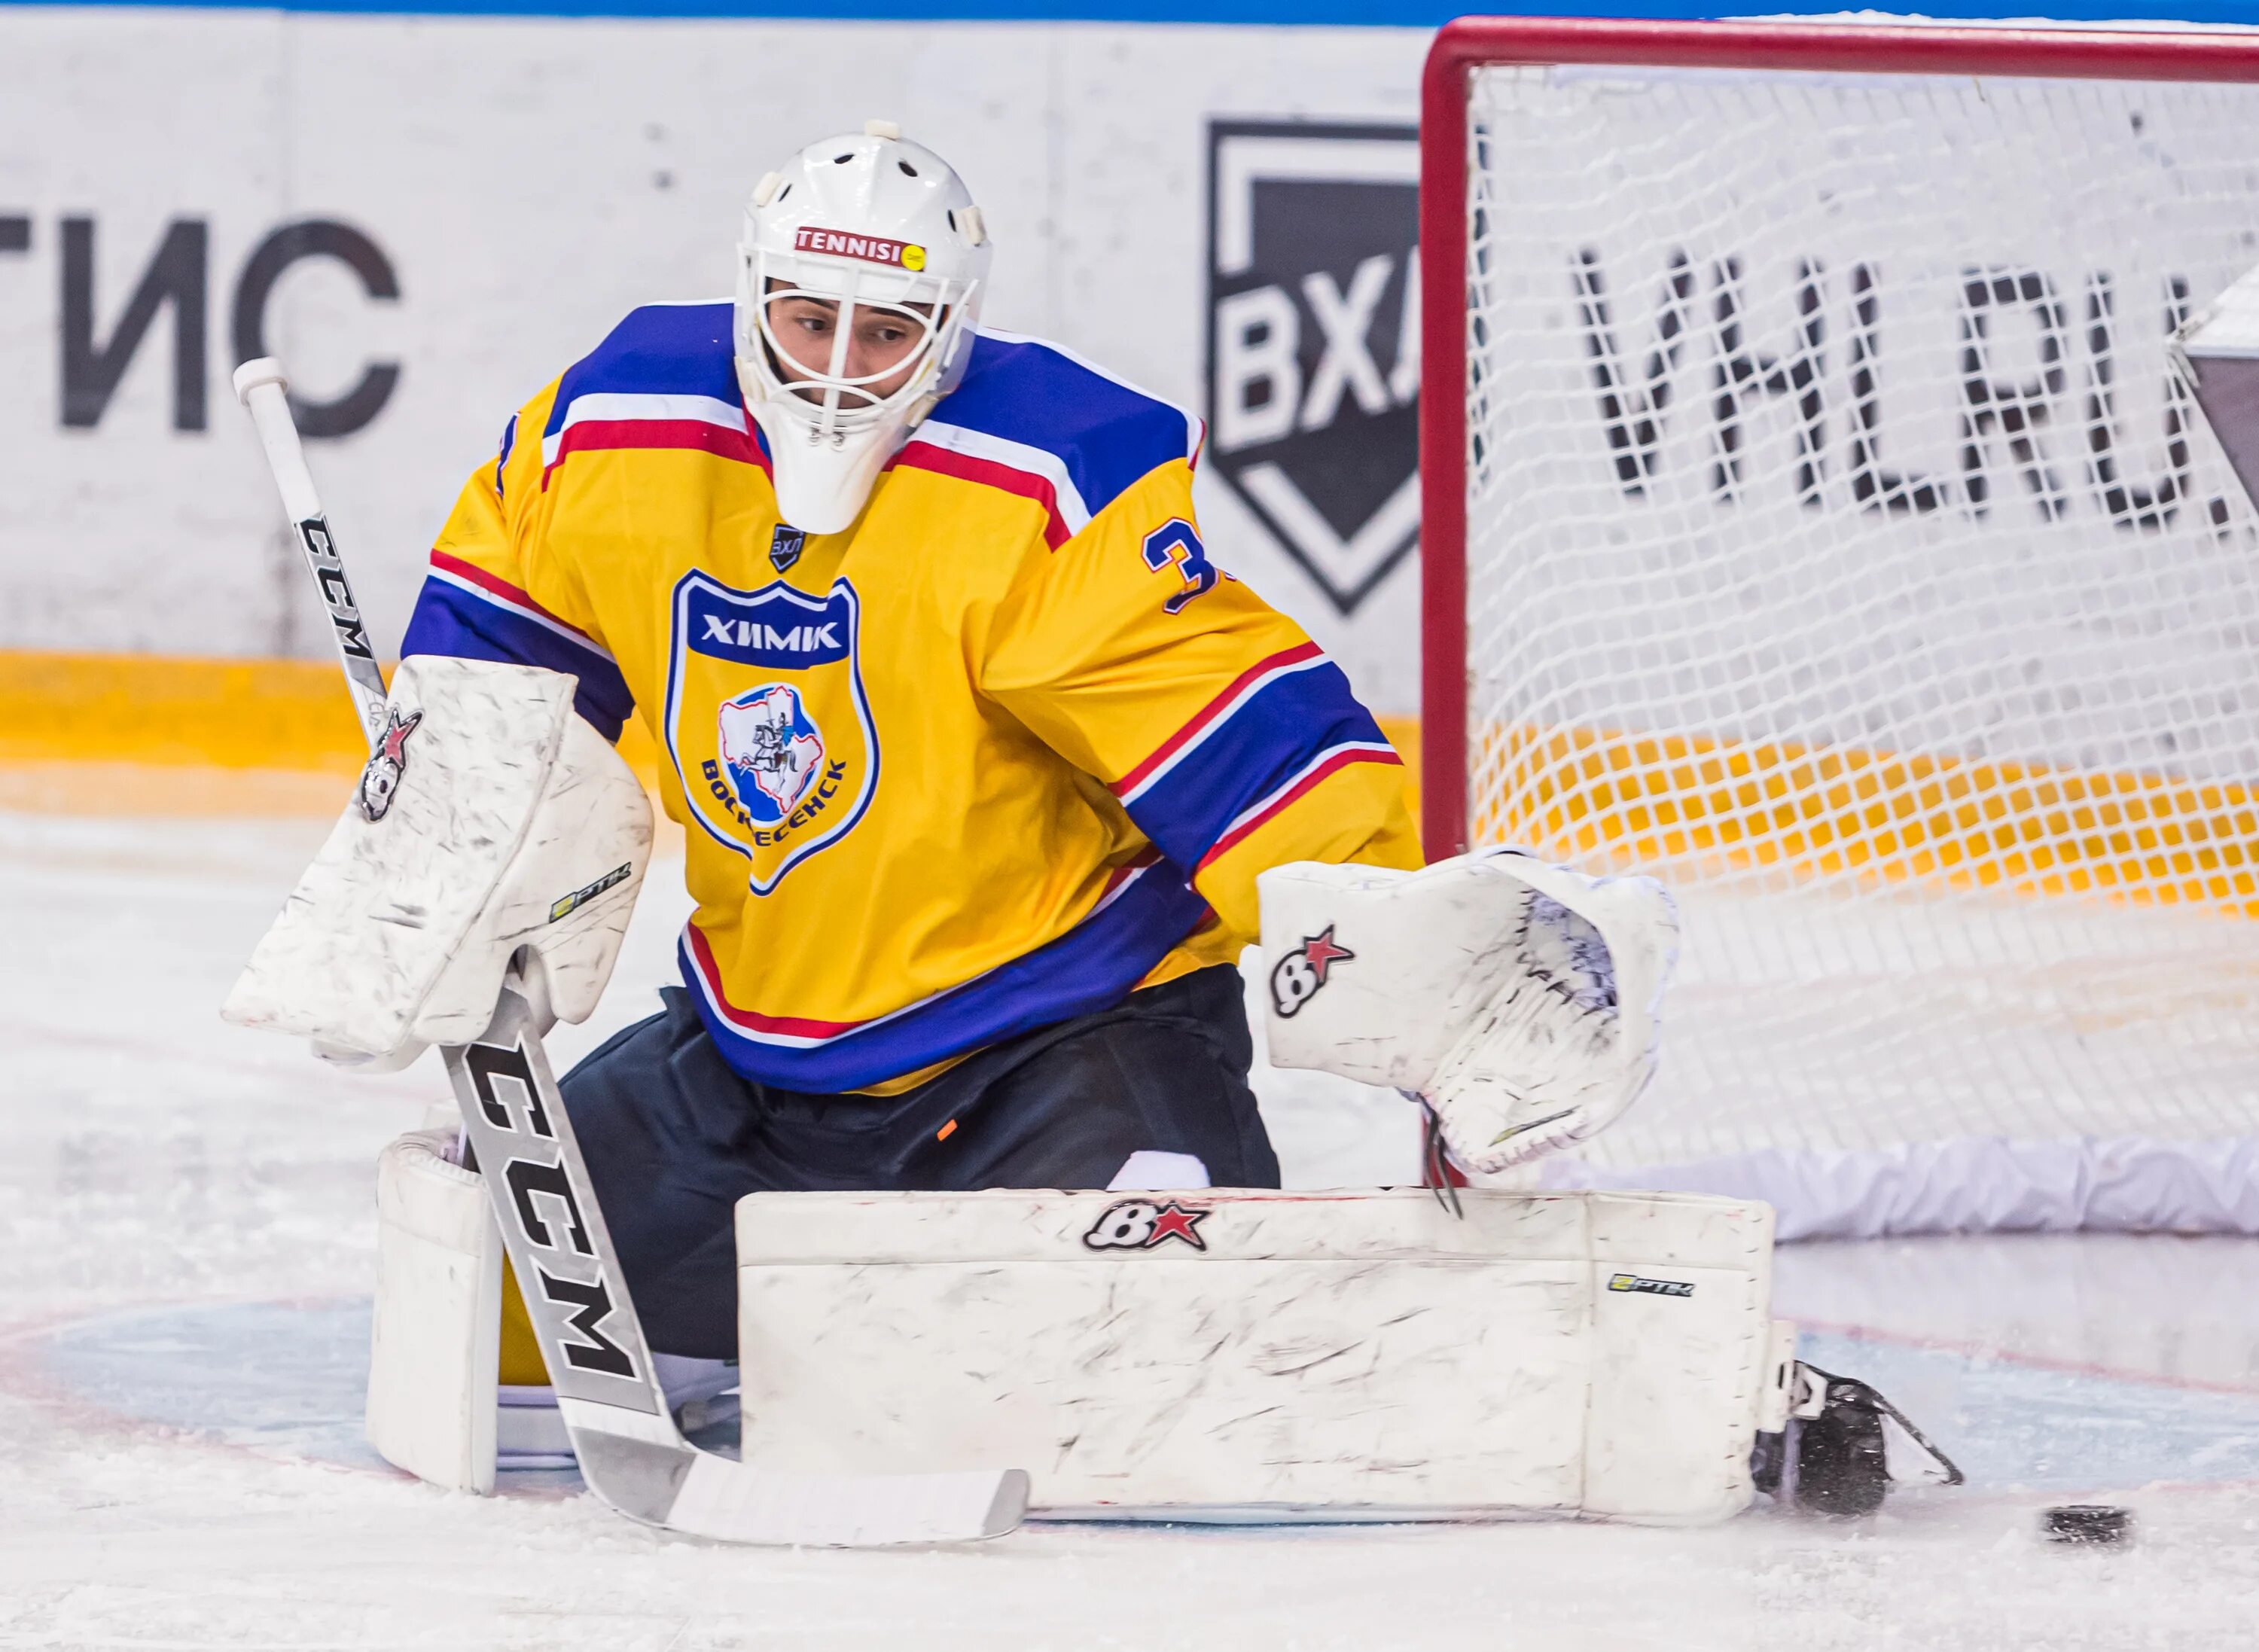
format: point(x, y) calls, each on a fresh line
point(143, 734)
point(136, 734)
point(79, 733)
point(139, 708)
point(1832, 812)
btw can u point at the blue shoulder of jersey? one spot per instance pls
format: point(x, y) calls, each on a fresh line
point(1034, 405)
point(671, 350)
point(663, 378)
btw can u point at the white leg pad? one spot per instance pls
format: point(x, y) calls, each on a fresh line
point(1225, 1353)
point(434, 1354)
point(435, 1405)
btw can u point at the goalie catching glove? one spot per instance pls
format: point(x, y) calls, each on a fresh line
point(491, 825)
point(1520, 1000)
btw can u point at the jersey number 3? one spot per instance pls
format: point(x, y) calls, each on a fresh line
point(1174, 545)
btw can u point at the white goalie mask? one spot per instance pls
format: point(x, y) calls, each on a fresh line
point(882, 235)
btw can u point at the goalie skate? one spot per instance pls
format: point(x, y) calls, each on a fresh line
point(1831, 1456)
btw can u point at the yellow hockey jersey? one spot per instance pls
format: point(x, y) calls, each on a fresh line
point(1007, 749)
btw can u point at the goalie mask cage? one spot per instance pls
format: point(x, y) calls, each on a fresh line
point(1811, 521)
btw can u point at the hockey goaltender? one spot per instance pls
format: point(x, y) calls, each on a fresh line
point(982, 763)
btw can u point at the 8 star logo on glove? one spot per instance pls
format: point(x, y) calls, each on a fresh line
point(1295, 978)
point(381, 776)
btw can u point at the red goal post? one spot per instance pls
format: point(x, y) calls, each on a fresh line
point(1467, 44)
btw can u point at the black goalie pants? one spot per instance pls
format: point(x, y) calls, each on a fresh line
point(674, 1136)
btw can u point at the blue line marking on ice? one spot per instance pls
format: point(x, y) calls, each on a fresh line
point(287, 1380)
point(284, 1379)
point(1422, 14)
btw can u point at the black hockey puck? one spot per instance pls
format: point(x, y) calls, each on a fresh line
point(2096, 1523)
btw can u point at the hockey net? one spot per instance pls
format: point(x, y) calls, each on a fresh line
point(1838, 549)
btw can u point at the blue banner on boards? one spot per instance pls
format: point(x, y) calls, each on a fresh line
point(1416, 14)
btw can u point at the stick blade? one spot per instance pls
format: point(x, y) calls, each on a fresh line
point(735, 1503)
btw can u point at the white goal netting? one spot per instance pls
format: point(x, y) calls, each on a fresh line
point(1840, 552)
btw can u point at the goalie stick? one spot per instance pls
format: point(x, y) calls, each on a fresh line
point(632, 1454)
point(260, 386)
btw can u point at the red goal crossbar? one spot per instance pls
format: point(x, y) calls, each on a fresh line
point(1470, 42)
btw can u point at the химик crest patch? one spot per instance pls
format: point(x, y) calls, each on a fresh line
point(766, 719)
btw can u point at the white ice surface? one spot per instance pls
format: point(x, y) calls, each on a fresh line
point(187, 1224)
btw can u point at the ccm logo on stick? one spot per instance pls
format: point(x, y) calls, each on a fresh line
point(534, 1172)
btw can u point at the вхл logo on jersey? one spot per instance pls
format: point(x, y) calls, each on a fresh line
point(766, 719)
